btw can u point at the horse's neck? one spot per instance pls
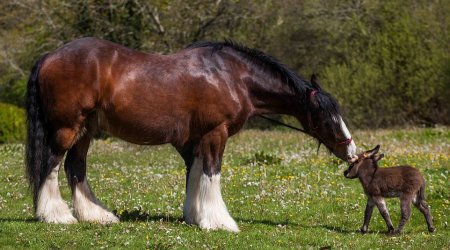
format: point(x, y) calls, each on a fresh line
point(270, 95)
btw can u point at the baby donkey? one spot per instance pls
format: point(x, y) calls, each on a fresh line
point(402, 181)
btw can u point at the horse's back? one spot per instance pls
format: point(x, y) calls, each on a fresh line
point(139, 97)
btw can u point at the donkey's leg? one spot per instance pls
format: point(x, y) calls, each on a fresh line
point(367, 215)
point(379, 201)
point(50, 207)
point(405, 208)
point(86, 206)
point(204, 205)
point(422, 205)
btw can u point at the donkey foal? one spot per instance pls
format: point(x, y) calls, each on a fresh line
point(402, 181)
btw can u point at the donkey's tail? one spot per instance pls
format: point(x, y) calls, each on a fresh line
point(421, 194)
point(37, 151)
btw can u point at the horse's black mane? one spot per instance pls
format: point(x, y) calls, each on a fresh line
point(295, 81)
point(326, 103)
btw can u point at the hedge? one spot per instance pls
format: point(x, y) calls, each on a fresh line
point(12, 123)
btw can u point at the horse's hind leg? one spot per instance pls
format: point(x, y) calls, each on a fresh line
point(204, 205)
point(50, 207)
point(86, 206)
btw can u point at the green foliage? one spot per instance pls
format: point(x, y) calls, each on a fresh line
point(387, 62)
point(12, 123)
point(394, 75)
point(13, 90)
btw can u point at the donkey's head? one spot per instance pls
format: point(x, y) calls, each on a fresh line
point(324, 121)
point(365, 160)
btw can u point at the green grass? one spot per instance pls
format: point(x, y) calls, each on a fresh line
point(281, 193)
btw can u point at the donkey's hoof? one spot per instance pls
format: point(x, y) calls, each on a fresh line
point(363, 230)
point(431, 229)
point(391, 232)
point(394, 232)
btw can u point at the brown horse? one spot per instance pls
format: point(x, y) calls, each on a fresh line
point(194, 99)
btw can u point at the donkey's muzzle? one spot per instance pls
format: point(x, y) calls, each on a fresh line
point(346, 173)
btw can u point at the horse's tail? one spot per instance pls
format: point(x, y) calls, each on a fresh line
point(37, 151)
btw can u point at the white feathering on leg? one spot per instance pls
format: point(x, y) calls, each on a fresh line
point(50, 205)
point(88, 208)
point(204, 205)
point(191, 204)
point(213, 213)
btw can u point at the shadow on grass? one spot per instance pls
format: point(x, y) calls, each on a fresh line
point(143, 216)
point(137, 215)
point(336, 229)
point(27, 220)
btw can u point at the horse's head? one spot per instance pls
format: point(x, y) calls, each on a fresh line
point(324, 122)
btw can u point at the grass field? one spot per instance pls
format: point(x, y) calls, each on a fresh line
point(281, 193)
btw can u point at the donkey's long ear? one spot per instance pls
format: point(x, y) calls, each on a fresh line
point(315, 82)
point(378, 157)
point(370, 153)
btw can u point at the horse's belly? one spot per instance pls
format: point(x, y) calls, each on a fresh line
point(142, 129)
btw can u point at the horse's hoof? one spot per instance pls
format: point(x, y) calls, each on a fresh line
point(55, 211)
point(97, 214)
point(229, 225)
point(431, 229)
point(66, 219)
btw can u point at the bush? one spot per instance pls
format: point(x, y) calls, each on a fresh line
point(394, 74)
point(12, 123)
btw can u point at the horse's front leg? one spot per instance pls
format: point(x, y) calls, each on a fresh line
point(204, 205)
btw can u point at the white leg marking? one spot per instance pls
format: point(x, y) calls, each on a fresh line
point(88, 208)
point(204, 205)
point(351, 148)
point(50, 205)
point(191, 204)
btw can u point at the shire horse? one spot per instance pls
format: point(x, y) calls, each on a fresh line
point(194, 99)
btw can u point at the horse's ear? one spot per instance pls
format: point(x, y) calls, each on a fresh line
point(315, 82)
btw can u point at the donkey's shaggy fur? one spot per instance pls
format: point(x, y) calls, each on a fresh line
point(402, 181)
